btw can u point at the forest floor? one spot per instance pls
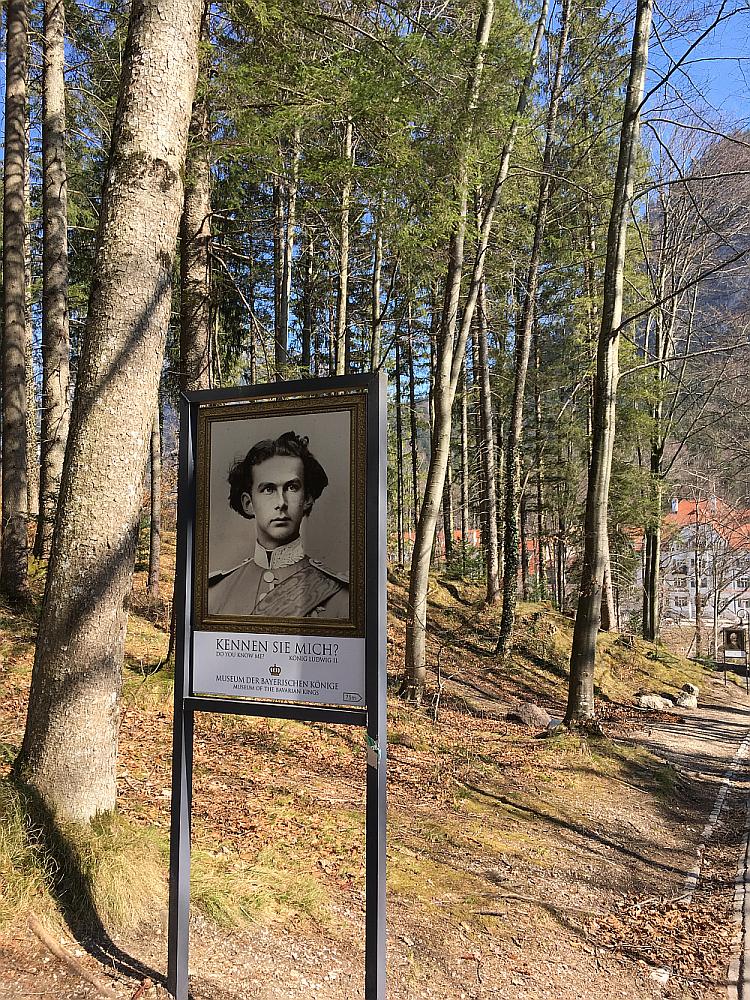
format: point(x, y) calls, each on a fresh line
point(519, 865)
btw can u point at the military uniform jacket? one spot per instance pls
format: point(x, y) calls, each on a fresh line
point(282, 583)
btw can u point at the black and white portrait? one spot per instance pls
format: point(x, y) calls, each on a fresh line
point(734, 640)
point(279, 525)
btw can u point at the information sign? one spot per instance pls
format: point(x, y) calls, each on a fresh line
point(281, 593)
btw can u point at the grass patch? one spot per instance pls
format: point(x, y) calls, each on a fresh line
point(111, 872)
point(236, 892)
point(25, 871)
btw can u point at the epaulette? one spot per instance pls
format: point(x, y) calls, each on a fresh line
point(341, 577)
point(214, 578)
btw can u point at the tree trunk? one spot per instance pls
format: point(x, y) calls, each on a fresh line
point(55, 320)
point(308, 287)
point(608, 614)
point(488, 453)
point(464, 468)
point(195, 257)
point(651, 574)
point(290, 221)
point(342, 288)
point(15, 549)
point(154, 548)
point(376, 310)
point(449, 360)
point(514, 434)
point(412, 415)
point(32, 441)
point(523, 523)
point(280, 333)
point(583, 654)
point(70, 744)
point(448, 515)
point(541, 569)
point(399, 461)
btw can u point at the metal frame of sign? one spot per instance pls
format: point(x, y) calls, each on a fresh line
point(372, 718)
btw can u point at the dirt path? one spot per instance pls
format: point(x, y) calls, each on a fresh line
point(578, 913)
point(711, 752)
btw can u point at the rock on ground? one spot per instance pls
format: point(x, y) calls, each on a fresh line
point(686, 700)
point(529, 714)
point(655, 702)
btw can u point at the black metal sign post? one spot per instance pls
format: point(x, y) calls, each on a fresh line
point(372, 716)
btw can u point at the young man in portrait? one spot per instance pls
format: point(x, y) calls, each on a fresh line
point(276, 485)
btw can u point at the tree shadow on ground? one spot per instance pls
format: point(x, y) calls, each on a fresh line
point(589, 834)
point(72, 892)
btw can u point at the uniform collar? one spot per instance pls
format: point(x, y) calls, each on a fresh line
point(281, 557)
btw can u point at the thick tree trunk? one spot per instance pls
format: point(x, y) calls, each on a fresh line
point(15, 550)
point(342, 287)
point(55, 322)
point(583, 654)
point(70, 744)
point(514, 433)
point(154, 548)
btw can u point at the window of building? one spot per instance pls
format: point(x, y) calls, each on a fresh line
point(681, 601)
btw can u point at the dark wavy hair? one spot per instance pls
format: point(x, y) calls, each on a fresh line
point(240, 476)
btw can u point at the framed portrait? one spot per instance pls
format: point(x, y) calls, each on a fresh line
point(734, 641)
point(280, 516)
point(285, 486)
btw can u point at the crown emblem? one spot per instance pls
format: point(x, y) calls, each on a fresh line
point(274, 670)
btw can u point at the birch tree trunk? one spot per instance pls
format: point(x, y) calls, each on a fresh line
point(70, 743)
point(514, 434)
point(14, 556)
point(583, 654)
